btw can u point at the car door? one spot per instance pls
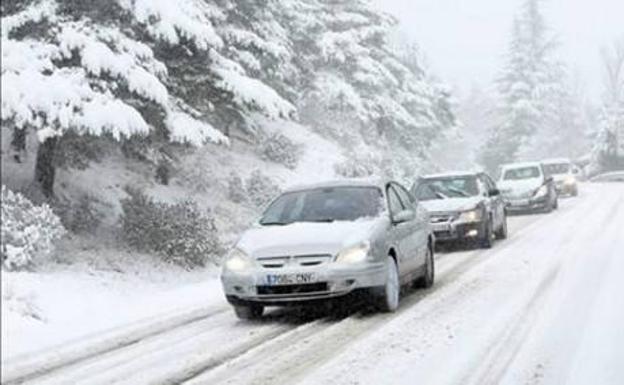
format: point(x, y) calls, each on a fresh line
point(496, 201)
point(399, 232)
point(418, 236)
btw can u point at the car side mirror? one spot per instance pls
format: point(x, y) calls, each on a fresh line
point(403, 216)
point(550, 179)
point(494, 192)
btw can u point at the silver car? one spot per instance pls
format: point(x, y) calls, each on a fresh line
point(319, 242)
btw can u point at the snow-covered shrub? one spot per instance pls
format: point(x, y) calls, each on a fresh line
point(280, 149)
point(81, 216)
point(28, 231)
point(180, 233)
point(236, 190)
point(355, 167)
point(260, 188)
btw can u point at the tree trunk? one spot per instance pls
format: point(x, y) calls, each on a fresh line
point(45, 169)
point(18, 143)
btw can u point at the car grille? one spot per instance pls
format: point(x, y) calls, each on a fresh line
point(278, 262)
point(443, 234)
point(292, 289)
point(441, 218)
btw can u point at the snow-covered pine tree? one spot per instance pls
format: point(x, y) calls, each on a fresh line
point(527, 85)
point(121, 68)
point(360, 88)
point(608, 149)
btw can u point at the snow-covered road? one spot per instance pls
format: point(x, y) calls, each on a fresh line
point(542, 307)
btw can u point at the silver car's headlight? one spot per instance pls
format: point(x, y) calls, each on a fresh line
point(237, 261)
point(541, 192)
point(354, 254)
point(569, 180)
point(470, 216)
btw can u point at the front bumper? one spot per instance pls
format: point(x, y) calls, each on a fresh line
point(566, 188)
point(332, 281)
point(457, 231)
point(528, 204)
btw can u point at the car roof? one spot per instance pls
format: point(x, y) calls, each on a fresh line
point(449, 174)
point(352, 182)
point(520, 164)
point(556, 161)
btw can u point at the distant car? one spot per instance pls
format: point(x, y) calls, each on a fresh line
point(564, 173)
point(463, 206)
point(319, 242)
point(614, 176)
point(526, 187)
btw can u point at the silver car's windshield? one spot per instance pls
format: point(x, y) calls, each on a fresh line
point(556, 168)
point(324, 205)
point(521, 173)
point(451, 187)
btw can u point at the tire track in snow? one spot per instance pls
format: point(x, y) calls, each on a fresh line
point(283, 362)
point(508, 342)
point(29, 366)
point(87, 359)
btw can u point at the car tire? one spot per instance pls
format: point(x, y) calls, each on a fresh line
point(486, 241)
point(389, 300)
point(502, 232)
point(575, 192)
point(428, 277)
point(248, 312)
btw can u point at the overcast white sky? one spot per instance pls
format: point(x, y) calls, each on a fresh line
point(464, 40)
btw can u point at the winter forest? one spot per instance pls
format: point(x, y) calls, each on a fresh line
point(124, 114)
point(150, 132)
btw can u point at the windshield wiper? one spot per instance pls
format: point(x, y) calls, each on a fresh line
point(460, 192)
point(323, 220)
point(274, 223)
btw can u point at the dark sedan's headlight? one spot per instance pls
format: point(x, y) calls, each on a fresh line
point(471, 216)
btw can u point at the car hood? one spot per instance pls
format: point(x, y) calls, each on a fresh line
point(451, 204)
point(561, 177)
point(306, 238)
point(519, 187)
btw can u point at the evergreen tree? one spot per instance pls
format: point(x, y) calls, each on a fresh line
point(608, 150)
point(526, 87)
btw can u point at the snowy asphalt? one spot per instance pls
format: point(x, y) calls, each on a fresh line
point(542, 307)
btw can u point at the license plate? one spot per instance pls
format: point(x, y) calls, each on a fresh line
point(290, 279)
point(441, 227)
point(520, 202)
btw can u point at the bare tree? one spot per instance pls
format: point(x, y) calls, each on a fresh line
point(613, 61)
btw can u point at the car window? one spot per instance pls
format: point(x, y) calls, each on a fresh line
point(447, 187)
point(394, 202)
point(407, 198)
point(556, 168)
point(426, 193)
point(522, 173)
point(489, 184)
point(324, 205)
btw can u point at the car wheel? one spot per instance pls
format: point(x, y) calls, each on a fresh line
point(248, 312)
point(486, 241)
point(502, 232)
point(428, 277)
point(575, 192)
point(389, 301)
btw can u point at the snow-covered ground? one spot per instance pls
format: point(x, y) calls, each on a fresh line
point(67, 303)
point(541, 307)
